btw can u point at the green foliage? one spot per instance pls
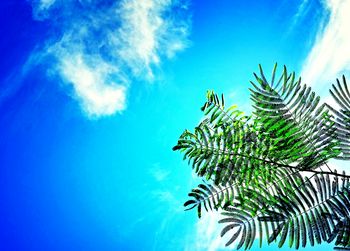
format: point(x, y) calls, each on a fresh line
point(265, 172)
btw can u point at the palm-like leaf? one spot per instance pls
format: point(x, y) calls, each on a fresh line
point(291, 113)
point(214, 197)
point(254, 202)
point(341, 95)
point(301, 212)
point(255, 165)
point(225, 147)
point(211, 197)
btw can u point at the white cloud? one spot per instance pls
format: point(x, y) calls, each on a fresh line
point(159, 174)
point(140, 24)
point(207, 235)
point(330, 55)
point(102, 46)
point(97, 95)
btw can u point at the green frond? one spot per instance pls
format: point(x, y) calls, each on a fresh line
point(291, 113)
point(258, 202)
point(301, 214)
point(324, 202)
point(211, 197)
point(233, 151)
point(341, 95)
point(257, 168)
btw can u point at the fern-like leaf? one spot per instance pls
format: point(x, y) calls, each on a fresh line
point(341, 95)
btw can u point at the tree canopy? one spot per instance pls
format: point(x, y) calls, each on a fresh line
point(267, 173)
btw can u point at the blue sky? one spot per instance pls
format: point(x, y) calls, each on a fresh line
point(94, 94)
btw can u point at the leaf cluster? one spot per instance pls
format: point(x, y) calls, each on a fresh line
point(267, 172)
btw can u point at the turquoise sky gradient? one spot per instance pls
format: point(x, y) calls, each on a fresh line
point(73, 181)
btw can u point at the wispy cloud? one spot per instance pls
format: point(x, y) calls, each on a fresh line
point(302, 10)
point(41, 8)
point(159, 174)
point(101, 47)
point(207, 234)
point(330, 55)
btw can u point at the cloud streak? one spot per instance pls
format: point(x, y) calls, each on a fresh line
point(207, 234)
point(100, 47)
point(330, 55)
